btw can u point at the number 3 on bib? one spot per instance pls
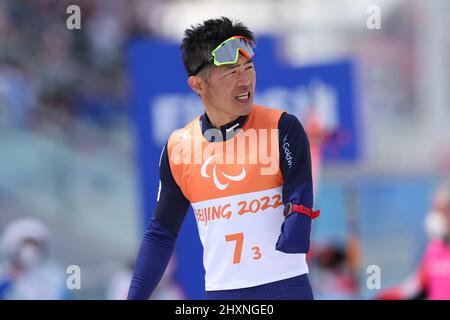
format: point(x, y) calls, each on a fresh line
point(239, 238)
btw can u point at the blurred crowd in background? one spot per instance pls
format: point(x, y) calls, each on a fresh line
point(66, 147)
point(67, 152)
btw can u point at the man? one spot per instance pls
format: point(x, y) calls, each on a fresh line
point(252, 201)
point(432, 279)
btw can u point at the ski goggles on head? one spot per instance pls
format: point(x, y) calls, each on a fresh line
point(228, 52)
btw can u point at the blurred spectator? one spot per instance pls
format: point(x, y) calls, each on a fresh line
point(167, 288)
point(432, 278)
point(17, 94)
point(332, 278)
point(30, 272)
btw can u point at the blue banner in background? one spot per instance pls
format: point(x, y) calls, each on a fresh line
point(161, 101)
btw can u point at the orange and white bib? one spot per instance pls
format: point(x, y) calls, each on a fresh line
point(235, 189)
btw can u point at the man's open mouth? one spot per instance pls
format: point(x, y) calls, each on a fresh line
point(243, 96)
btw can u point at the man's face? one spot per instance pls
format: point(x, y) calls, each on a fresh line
point(228, 90)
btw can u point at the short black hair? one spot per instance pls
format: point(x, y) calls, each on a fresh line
point(199, 41)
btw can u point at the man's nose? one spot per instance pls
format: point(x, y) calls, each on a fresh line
point(244, 80)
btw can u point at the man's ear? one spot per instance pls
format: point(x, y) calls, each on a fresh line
point(197, 84)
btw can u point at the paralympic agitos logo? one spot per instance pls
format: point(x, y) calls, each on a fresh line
point(217, 183)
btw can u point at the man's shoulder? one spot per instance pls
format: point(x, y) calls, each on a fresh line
point(290, 120)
